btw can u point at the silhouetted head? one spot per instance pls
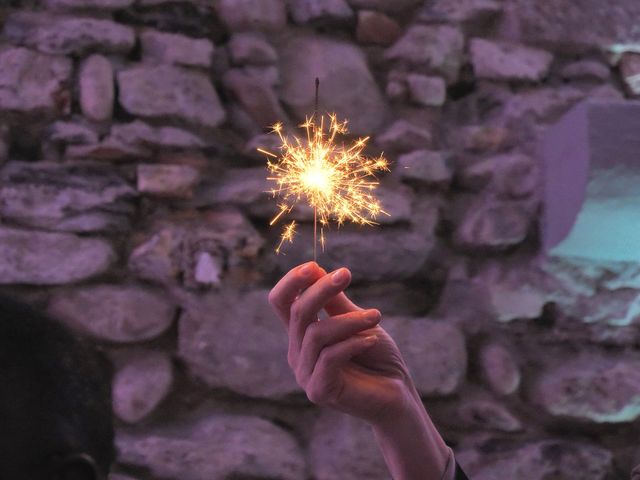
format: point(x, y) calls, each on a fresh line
point(55, 400)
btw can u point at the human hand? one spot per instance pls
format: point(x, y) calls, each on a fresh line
point(346, 361)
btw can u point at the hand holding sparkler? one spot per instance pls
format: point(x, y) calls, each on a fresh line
point(350, 363)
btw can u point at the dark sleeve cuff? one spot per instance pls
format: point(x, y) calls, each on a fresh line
point(460, 475)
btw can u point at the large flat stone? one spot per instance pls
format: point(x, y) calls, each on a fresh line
point(436, 48)
point(97, 88)
point(505, 61)
point(400, 253)
point(213, 343)
point(252, 14)
point(344, 447)
point(141, 385)
point(100, 5)
point(34, 84)
point(216, 447)
point(561, 23)
point(326, 11)
point(115, 313)
point(170, 93)
point(342, 70)
point(64, 35)
point(66, 197)
point(592, 388)
point(172, 48)
point(434, 351)
point(39, 258)
point(538, 460)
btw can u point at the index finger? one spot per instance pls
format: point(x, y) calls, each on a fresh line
point(289, 287)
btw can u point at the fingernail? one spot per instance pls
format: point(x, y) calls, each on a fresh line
point(306, 269)
point(373, 316)
point(339, 277)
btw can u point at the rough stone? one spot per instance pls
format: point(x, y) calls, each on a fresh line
point(114, 313)
point(591, 388)
point(167, 92)
point(483, 138)
point(437, 48)
point(174, 247)
point(403, 136)
point(427, 91)
point(305, 11)
point(493, 225)
point(586, 70)
point(425, 167)
point(560, 24)
point(434, 351)
point(539, 461)
point(541, 105)
point(255, 96)
point(465, 11)
point(208, 269)
point(499, 369)
point(252, 14)
point(251, 48)
point(376, 28)
point(172, 48)
point(110, 148)
point(75, 133)
point(141, 385)
point(516, 302)
point(102, 5)
point(257, 365)
point(630, 71)
point(344, 447)
point(167, 180)
point(396, 200)
point(396, 6)
point(505, 61)
point(97, 89)
point(41, 258)
point(139, 135)
point(513, 175)
point(217, 446)
point(487, 414)
point(65, 35)
point(51, 195)
point(342, 70)
point(243, 186)
point(34, 84)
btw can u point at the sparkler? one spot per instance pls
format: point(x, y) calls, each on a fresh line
point(335, 179)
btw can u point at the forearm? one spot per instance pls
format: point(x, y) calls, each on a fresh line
point(412, 447)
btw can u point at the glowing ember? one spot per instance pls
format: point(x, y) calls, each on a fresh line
point(337, 181)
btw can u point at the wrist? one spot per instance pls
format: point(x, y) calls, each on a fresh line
point(410, 443)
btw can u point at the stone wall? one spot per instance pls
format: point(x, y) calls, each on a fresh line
point(133, 207)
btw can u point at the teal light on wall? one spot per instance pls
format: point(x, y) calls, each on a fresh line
point(591, 165)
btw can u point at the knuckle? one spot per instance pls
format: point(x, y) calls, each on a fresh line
point(296, 310)
point(300, 379)
point(315, 395)
point(314, 335)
